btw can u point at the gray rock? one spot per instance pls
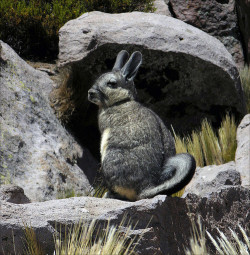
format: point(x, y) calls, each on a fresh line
point(186, 74)
point(242, 156)
point(243, 12)
point(13, 194)
point(167, 233)
point(36, 152)
point(162, 7)
point(213, 178)
point(216, 17)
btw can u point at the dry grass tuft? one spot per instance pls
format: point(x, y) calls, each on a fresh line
point(194, 145)
point(227, 138)
point(210, 144)
point(32, 247)
point(87, 239)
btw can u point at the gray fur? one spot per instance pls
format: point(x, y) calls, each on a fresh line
point(138, 151)
point(121, 59)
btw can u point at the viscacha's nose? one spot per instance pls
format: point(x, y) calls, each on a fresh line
point(91, 93)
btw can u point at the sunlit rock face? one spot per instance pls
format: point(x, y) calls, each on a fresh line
point(36, 151)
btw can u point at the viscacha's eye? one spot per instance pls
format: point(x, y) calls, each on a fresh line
point(112, 83)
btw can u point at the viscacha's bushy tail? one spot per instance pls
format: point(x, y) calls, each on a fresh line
point(177, 173)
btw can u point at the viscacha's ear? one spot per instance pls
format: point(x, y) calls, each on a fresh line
point(121, 59)
point(131, 67)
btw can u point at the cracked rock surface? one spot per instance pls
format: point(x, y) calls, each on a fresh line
point(36, 151)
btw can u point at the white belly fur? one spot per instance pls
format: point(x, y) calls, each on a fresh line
point(104, 142)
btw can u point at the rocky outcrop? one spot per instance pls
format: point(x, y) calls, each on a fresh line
point(36, 152)
point(216, 17)
point(13, 194)
point(163, 220)
point(214, 178)
point(186, 74)
point(242, 156)
point(243, 12)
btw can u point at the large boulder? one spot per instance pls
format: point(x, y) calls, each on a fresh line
point(163, 221)
point(186, 75)
point(216, 17)
point(242, 156)
point(36, 152)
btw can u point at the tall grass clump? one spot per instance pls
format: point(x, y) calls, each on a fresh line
point(227, 138)
point(193, 146)
point(245, 80)
point(209, 146)
point(84, 239)
point(31, 27)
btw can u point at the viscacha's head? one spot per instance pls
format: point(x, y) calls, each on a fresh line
point(118, 85)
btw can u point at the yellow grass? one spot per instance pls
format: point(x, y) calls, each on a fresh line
point(179, 193)
point(32, 247)
point(194, 145)
point(180, 144)
point(227, 138)
point(210, 144)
